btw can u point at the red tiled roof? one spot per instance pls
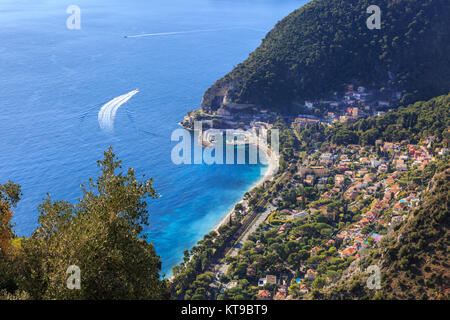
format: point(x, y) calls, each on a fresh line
point(264, 293)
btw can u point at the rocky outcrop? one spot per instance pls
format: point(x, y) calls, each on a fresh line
point(219, 111)
point(220, 94)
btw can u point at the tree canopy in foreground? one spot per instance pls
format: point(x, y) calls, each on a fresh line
point(102, 234)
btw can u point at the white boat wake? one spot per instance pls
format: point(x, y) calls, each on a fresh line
point(108, 112)
point(170, 33)
point(186, 32)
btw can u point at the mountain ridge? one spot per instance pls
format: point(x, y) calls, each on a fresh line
point(323, 45)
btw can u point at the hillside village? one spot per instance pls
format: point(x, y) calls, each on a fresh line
point(333, 203)
point(377, 187)
point(353, 103)
point(358, 149)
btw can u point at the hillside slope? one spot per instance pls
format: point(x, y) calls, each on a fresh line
point(414, 261)
point(320, 47)
point(413, 122)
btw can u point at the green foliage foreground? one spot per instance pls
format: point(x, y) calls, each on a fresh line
point(101, 234)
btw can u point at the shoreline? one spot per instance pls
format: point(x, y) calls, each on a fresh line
point(271, 166)
point(269, 174)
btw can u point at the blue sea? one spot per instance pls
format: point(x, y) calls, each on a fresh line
point(53, 82)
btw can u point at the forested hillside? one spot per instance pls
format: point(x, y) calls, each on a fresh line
point(325, 44)
point(416, 121)
point(414, 258)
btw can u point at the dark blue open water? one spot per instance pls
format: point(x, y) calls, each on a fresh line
point(53, 82)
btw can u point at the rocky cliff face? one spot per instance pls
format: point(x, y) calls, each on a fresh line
point(219, 100)
point(218, 95)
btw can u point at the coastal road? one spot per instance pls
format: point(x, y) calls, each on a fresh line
point(256, 223)
point(222, 267)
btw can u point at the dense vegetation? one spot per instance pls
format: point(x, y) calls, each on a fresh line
point(326, 44)
point(192, 277)
point(101, 234)
point(417, 121)
point(414, 261)
point(413, 255)
point(272, 251)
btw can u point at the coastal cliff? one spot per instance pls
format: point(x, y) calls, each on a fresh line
point(217, 95)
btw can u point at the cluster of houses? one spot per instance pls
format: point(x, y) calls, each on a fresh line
point(356, 102)
point(281, 292)
point(358, 174)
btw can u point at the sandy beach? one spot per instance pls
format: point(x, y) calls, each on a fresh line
point(272, 168)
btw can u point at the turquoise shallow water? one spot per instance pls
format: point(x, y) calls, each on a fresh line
point(53, 82)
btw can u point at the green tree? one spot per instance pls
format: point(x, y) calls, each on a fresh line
point(102, 235)
point(10, 194)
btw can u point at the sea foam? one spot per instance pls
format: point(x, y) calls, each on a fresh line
point(108, 111)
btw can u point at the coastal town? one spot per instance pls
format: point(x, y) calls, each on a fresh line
point(244, 124)
point(354, 103)
point(310, 225)
point(276, 154)
point(377, 195)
